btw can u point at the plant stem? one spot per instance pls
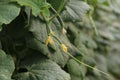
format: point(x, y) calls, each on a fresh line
point(93, 25)
point(92, 21)
point(58, 16)
point(88, 65)
point(58, 11)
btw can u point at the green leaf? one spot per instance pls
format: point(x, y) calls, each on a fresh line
point(75, 10)
point(38, 67)
point(76, 70)
point(8, 12)
point(36, 5)
point(38, 28)
point(6, 66)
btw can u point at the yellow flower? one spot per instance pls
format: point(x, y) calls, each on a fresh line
point(64, 48)
point(49, 40)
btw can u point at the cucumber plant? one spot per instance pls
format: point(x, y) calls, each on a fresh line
point(56, 40)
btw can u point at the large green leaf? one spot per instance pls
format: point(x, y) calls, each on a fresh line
point(37, 42)
point(37, 67)
point(76, 70)
point(36, 5)
point(54, 52)
point(6, 66)
point(8, 12)
point(75, 10)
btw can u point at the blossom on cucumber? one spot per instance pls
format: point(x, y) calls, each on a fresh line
point(64, 47)
point(49, 40)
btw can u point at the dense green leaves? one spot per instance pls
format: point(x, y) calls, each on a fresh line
point(6, 66)
point(8, 12)
point(26, 24)
point(37, 67)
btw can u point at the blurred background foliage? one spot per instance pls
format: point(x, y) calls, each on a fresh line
point(101, 51)
point(23, 34)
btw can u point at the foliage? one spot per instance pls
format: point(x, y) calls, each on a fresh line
point(56, 40)
point(6, 66)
